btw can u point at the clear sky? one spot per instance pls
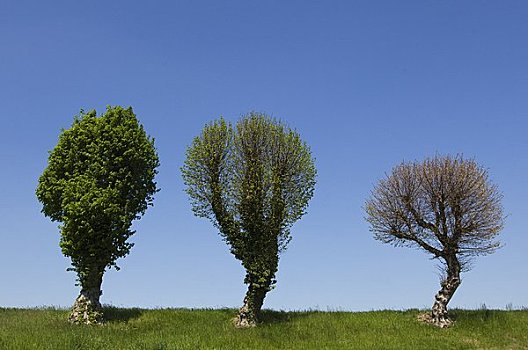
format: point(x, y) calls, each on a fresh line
point(366, 83)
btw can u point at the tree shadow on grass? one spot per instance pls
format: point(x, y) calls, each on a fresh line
point(116, 314)
point(474, 315)
point(272, 316)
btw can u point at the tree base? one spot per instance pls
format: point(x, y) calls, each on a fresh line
point(86, 311)
point(243, 324)
point(244, 319)
point(441, 322)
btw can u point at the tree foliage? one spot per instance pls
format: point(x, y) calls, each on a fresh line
point(444, 205)
point(253, 181)
point(99, 178)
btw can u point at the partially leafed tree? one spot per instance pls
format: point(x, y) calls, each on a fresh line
point(253, 181)
point(446, 206)
point(99, 178)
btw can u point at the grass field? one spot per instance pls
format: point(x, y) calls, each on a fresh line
point(212, 329)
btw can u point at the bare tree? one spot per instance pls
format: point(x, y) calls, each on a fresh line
point(444, 205)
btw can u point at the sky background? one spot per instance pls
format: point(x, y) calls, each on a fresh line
point(366, 83)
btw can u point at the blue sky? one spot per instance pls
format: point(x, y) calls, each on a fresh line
point(366, 83)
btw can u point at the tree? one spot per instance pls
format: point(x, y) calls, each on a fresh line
point(445, 206)
point(253, 182)
point(99, 178)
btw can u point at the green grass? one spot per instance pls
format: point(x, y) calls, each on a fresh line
point(212, 329)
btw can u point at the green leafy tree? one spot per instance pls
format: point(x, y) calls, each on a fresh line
point(445, 206)
point(99, 178)
point(253, 181)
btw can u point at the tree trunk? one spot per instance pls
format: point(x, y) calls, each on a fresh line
point(260, 276)
point(87, 308)
point(248, 315)
point(439, 316)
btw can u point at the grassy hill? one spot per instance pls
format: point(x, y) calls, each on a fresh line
point(212, 329)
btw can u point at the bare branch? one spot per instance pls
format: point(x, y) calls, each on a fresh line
point(444, 205)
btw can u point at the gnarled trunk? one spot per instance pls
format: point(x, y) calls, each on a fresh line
point(87, 308)
point(248, 315)
point(439, 316)
point(259, 283)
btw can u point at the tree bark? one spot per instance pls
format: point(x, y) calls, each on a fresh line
point(248, 315)
point(87, 308)
point(439, 316)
